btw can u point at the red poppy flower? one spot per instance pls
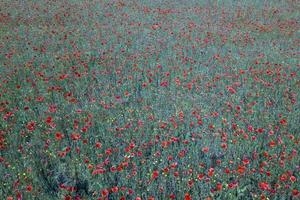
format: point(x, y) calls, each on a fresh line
point(241, 169)
point(29, 188)
point(68, 197)
point(98, 171)
point(31, 126)
point(130, 191)
point(166, 170)
point(231, 90)
point(200, 176)
point(164, 84)
point(211, 172)
point(260, 130)
point(155, 174)
point(187, 196)
point(191, 183)
point(264, 186)
point(283, 122)
point(48, 120)
point(98, 145)
point(293, 179)
point(232, 185)
point(219, 186)
point(246, 161)
point(115, 189)
point(104, 192)
point(174, 165)
point(250, 128)
point(176, 174)
point(227, 170)
point(295, 193)
point(224, 146)
point(272, 143)
point(58, 135)
point(75, 136)
point(205, 149)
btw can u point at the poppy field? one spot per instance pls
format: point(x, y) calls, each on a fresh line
point(149, 100)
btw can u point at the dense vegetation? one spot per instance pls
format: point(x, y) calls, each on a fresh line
point(179, 99)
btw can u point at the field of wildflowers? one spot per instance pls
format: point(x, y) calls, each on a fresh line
point(149, 100)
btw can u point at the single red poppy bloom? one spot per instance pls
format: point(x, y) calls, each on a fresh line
point(201, 176)
point(155, 174)
point(205, 149)
point(295, 192)
point(29, 188)
point(219, 186)
point(283, 122)
point(187, 196)
point(75, 136)
point(172, 196)
point(58, 135)
point(293, 179)
point(211, 172)
point(115, 189)
point(263, 185)
point(104, 192)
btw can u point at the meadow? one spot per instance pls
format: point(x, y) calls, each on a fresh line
point(149, 100)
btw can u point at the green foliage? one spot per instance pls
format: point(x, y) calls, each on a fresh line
point(150, 99)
